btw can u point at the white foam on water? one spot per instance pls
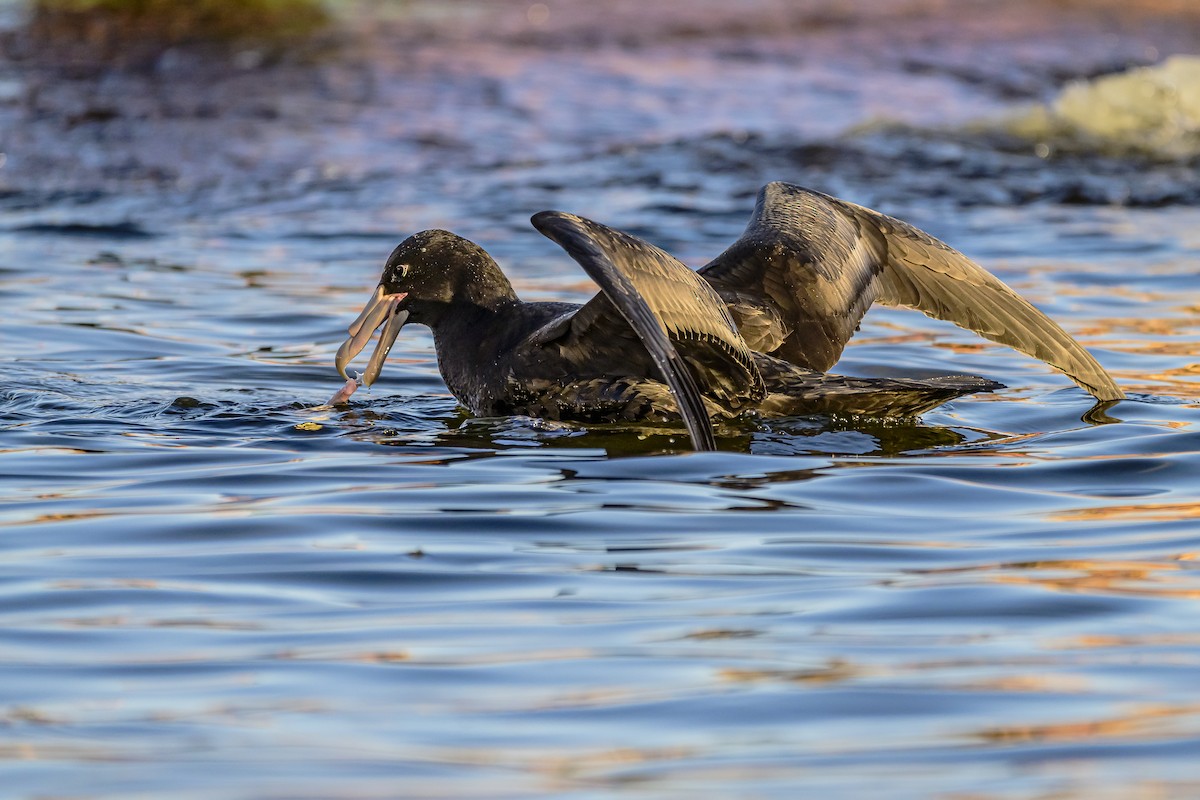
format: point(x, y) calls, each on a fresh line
point(1151, 110)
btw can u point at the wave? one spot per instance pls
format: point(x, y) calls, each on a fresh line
point(1150, 111)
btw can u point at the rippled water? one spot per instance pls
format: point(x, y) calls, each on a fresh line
point(211, 586)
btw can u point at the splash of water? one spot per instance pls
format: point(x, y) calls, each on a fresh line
point(1152, 111)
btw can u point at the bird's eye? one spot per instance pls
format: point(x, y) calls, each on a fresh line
point(403, 270)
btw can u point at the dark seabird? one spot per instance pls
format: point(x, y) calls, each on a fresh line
point(753, 331)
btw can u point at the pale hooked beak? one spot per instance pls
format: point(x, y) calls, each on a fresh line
point(381, 309)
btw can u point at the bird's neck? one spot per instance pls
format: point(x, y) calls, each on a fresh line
point(469, 340)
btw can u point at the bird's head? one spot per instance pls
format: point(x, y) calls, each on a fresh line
point(424, 277)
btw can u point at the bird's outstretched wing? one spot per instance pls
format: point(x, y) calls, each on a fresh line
point(809, 266)
point(680, 320)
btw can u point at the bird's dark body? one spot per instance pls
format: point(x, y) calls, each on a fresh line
point(752, 332)
point(506, 357)
point(495, 363)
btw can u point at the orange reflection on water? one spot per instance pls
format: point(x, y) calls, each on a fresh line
point(1169, 332)
point(1149, 325)
point(1097, 641)
point(836, 670)
point(1165, 578)
point(1145, 578)
point(1143, 722)
point(1157, 512)
point(1040, 682)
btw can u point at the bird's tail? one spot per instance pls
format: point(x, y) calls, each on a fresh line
point(798, 392)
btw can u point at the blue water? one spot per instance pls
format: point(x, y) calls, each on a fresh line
point(213, 587)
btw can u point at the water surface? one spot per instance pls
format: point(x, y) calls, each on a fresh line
point(213, 587)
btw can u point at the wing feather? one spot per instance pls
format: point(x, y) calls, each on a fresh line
point(818, 263)
point(682, 323)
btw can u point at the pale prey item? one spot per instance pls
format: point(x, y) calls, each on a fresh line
point(343, 394)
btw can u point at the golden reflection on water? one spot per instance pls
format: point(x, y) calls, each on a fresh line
point(1165, 578)
point(835, 671)
point(1168, 330)
point(1035, 683)
point(1174, 327)
point(1142, 579)
point(1158, 512)
point(1165, 382)
point(1143, 722)
point(722, 633)
point(1097, 641)
point(569, 771)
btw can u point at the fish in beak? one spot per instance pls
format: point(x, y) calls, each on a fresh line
point(381, 309)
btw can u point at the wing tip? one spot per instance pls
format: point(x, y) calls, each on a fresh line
point(547, 220)
point(1084, 370)
point(1106, 392)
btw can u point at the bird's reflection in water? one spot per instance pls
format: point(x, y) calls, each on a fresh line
point(450, 428)
point(1098, 414)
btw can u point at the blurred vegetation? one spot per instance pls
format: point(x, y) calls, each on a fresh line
point(131, 32)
